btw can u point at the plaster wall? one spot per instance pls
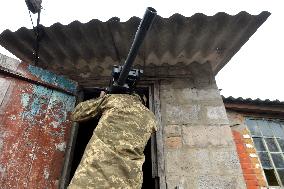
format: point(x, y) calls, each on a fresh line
point(199, 148)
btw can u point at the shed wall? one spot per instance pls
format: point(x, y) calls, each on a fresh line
point(199, 148)
point(34, 126)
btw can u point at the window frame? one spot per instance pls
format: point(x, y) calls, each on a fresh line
point(263, 138)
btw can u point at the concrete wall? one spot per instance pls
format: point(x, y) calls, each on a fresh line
point(199, 148)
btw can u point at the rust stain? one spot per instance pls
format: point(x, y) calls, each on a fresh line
point(34, 130)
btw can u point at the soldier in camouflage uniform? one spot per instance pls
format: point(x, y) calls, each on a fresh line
point(114, 156)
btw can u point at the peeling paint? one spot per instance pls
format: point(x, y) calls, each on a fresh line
point(253, 155)
point(55, 124)
point(2, 138)
point(32, 156)
point(66, 83)
point(2, 171)
point(44, 75)
point(25, 98)
point(45, 174)
point(246, 136)
point(249, 146)
point(53, 79)
point(33, 102)
point(35, 131)
point(66, 102)
point(257, 165)
point(61, 146)
point(1, 144)
point(13, 117)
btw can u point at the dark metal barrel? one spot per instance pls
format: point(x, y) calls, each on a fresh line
point(139, 37)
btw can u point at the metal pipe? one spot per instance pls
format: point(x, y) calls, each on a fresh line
point(139, 37)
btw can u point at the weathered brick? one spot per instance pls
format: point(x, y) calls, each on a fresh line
point(202, 154)
point(236, 135)
point(250, 150)
point(173, 142)
point(219, 135)
point(262, 182)
point(245, 131)
point(246, 165)
point(243, 155)
point(172, 130)
point(247, 140)
point(195, 136)
point(202, 136)
point(234, 118)
point(250, 177)
point(226, 159)
point(217, 181)
point(185, 167)
point(251, 183)
point(240, 148)
point(248, 171)
point(258, 171)
point(253, 187)
point(216, 112)
point(182, 114)
point(245, 160)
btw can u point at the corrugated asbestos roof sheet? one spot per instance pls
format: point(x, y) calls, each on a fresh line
point(88, 50)
point(257, 101)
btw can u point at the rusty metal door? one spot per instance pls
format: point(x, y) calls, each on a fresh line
point(35, 107)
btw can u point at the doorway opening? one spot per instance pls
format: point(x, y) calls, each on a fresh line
point(85, 131)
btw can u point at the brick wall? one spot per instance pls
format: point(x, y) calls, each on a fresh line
point(249, 160)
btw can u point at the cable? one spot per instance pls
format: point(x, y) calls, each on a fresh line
point(34, 6)
point(31, 19)
point(37, 36)
point(37, 39)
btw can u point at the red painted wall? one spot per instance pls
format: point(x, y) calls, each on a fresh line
point(34, 127)
point(250, 164)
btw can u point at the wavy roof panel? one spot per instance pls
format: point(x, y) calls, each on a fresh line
point(257, 101)
point(88, 50)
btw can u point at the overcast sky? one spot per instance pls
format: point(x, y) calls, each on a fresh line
point(256, 71)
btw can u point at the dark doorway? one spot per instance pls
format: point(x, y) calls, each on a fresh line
point(85, 131)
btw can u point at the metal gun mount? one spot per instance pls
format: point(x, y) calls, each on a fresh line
point(131, 80)
point(124, 78)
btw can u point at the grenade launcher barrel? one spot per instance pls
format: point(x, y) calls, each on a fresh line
point(139, 37)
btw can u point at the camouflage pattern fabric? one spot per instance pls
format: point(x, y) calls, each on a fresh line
point(114, 156)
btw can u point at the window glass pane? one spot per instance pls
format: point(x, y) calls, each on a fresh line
point(281, 175)
point(277, 129)
point(264, 127)
point(252, 125)
point(278, 160)
point(281, 143)
point(264, 159)
point(258, 143)
point(272, 147)
point(270, 177)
